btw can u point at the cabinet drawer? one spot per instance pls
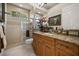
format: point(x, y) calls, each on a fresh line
point(46, 40)
point(66, 44)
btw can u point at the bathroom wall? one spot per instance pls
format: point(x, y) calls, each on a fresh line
point(57, 9)
point(69, 14)
point(70, 17)
point(11, 8)
point(0, 7)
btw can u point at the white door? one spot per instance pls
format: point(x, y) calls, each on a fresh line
point(13, 31)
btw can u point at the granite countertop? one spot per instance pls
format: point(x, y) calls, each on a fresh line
point(67, 38)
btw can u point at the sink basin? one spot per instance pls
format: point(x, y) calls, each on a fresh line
point(48, 34)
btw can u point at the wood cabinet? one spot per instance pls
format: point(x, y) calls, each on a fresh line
point(66, 48)
point(38, 45)
point(41, 49)
point(47, 46)
point(48, 51)
point(43, 45)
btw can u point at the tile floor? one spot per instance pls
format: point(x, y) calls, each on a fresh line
point(21, 50)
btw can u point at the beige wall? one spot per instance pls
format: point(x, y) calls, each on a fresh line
point(11, 8)
point(57, 10)
point(69, 13)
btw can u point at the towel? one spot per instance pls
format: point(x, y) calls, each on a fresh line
point(3, 37)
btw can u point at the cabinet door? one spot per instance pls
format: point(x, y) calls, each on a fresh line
point(49, 51)
point(34, 44)
point(66, 48)
point(49, 46)
point(58, 52)
point(36, 47)
point(42, 50)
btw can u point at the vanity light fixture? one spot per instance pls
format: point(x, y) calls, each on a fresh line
point(41, 4)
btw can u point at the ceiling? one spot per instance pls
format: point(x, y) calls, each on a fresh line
point(49, 5)
point(40, 10)
point(23, 5)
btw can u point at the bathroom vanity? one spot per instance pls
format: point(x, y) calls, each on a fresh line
point(53, 44)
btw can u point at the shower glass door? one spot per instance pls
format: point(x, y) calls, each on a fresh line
point(24, 27)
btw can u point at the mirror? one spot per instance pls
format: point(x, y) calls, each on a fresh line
point(55, 20)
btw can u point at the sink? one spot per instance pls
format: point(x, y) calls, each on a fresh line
point(48, 34)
